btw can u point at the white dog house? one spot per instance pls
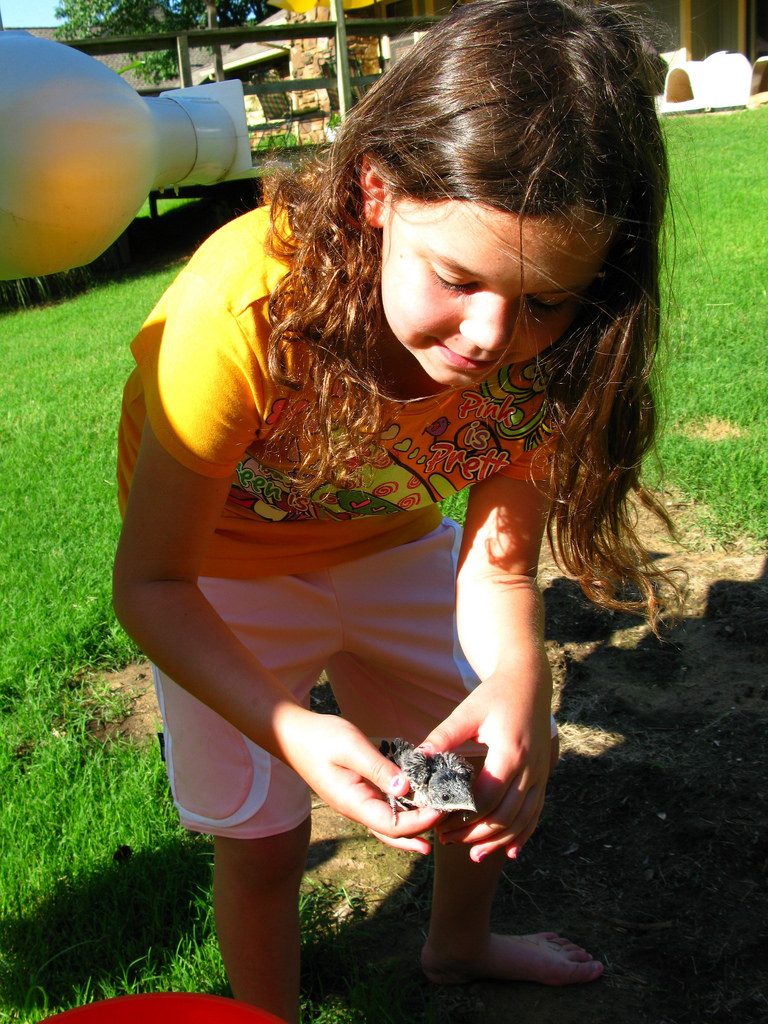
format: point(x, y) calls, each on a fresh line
point(723, 81)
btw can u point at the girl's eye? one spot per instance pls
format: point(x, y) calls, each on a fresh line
point(454, 286)
point(544, 306)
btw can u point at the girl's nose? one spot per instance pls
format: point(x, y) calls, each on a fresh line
point(490, 321)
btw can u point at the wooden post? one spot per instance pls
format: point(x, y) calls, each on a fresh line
point(213, 22)
point(752, 32)
point(342, 58)
point(686, 28)
point(182, 53)
point(742, 26)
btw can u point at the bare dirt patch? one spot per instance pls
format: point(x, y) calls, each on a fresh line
point(142, 719)
point(712, 429)
point(653, 849)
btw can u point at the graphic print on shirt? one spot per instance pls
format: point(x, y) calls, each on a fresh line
point(483, 430)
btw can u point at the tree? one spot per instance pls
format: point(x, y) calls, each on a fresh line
point(84, 18)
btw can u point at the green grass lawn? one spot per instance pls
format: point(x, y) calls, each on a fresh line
point(80, 917)
point(716, 376)
point(63, 368)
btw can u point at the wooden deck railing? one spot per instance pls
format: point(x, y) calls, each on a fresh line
point(289, 31)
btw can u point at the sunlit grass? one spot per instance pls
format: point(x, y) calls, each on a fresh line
point(715, 437)
point(63, 367)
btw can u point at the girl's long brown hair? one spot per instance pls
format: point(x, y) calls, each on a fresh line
point(537, 107)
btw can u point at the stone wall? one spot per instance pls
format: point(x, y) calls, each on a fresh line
point(306, 61)
point(315, 58)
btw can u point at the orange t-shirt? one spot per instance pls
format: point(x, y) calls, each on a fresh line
point(202, 379)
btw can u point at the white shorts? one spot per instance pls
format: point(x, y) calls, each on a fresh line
point(382, 627)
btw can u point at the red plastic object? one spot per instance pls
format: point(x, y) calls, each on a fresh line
point(166, 1008)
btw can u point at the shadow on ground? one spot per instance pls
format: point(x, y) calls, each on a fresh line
point(137, 908)
point(148, 244)
point(653, 849)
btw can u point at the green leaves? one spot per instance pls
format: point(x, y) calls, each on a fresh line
point(84, 18)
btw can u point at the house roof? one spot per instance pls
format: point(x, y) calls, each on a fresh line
point(234, 57)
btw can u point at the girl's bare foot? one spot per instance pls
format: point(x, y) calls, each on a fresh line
point(545, 958)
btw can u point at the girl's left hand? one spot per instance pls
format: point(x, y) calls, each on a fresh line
point(510, 787)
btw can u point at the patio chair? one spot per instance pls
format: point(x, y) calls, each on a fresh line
point(275, 105)
point(328, 68)
point(277, 111)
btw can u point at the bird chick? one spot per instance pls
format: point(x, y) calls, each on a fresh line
point(442, 781)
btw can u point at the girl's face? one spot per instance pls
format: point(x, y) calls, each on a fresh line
point(466, 287)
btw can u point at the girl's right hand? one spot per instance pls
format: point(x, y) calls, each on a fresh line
point(349, 774)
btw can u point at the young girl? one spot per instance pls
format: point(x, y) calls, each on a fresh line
point(463, 292)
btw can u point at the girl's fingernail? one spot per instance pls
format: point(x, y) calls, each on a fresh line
point(396, 783)
point(478, 855)
point(512, 852)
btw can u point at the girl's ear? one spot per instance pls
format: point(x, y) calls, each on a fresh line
point(376, 195)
